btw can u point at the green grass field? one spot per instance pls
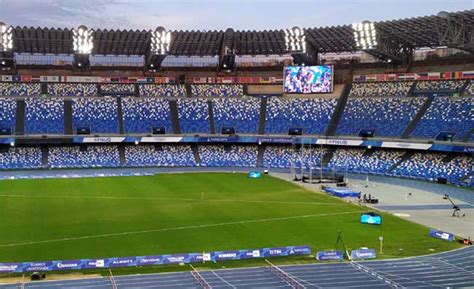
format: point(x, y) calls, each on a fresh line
point(58, 219)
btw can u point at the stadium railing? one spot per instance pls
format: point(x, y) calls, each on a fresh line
point(292, 281)
point(199, 278)
point(112, 280)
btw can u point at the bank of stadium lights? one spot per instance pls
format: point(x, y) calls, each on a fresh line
point(83, 43)
point(295, 40)
point(6, 37)
point(82, 40)
point(160, 41)
point(365, 35)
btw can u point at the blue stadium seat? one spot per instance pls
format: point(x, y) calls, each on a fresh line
point(242, 114)
point(100, 114)
point(312, 115)
point(7, 113)
point(163, 155)
point(387, 116)
point(44, 116)
point(447, 114)
point(141, 114)
point(194, 115)
point(90, 156)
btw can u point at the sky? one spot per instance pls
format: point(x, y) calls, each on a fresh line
point(215, 14)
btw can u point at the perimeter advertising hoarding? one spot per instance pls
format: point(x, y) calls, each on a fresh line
point(153, 260)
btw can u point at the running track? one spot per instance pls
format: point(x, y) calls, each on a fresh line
point(450, 269)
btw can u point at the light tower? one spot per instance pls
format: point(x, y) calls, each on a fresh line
point(6, 46)
point(160, 43)
point(301, 51)
point(83, 45)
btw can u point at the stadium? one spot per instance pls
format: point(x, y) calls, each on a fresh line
point(306, 157)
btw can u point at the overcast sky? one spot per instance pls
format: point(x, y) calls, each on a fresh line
point(215, 14)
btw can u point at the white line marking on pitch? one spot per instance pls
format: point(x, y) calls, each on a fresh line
point(176, 199)
point(177, 228)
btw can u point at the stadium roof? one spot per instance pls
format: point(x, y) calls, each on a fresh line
point(428, 31)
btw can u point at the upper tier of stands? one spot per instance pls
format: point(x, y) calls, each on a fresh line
point(387, 116)
point(72, 89)
point(312, 115)
point(217, 90)
point(44, 115)
point(447, 114)
point(7, 113)
point(440, 85)
point(194, 115)
point(389, 88)
point(140, 115)
point(242, 114)
point(19, 89)
point(100, 115)
point(162, 90)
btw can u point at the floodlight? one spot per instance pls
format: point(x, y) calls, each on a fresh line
point(6, 37)
point(365, 35)
point(82, 40)
point(160, 41)
point(295, 40)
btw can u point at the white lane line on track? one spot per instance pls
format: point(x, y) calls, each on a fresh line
point(177, 228)
point(177, 199)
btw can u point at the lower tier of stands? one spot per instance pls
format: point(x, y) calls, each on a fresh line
point(455, 168)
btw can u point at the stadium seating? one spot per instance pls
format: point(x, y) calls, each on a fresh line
point(20, 158)
point(114, 89)
point(100, 114)
point(44, 116)
point(163, 155)
point(430, 166)
point(193, 116)
point(19, 89)
point(90, 156)
point(162, 90)
point(241, 114)
point(391, 88)
point(141, 114)
point(356, 160)
point(470, 88)
point(312, 115)
point(213, 90)
point(228, 155)
point(277, 156)
point(439, 85)
point(446, 114)
point(387, 116)
point(7, 113)
point(72, 89)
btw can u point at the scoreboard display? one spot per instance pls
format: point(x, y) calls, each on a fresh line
point(308, 79)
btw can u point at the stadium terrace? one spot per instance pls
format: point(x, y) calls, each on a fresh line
point(155, 143)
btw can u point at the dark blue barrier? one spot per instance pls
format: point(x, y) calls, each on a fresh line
point(363, 254)
point(441, 235)
point(329, 256)
point(153, 260)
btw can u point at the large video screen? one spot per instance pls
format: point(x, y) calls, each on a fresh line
point(308, 79)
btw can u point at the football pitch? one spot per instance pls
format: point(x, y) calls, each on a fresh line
point(62, 219)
